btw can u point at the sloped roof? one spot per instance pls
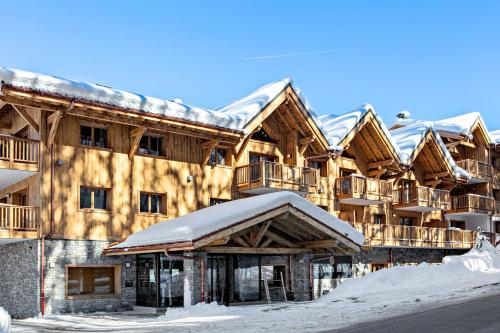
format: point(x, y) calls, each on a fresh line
point(408, 139)
point(337, 127)
point(495, 137)
point(118, 98)
point(203, 222)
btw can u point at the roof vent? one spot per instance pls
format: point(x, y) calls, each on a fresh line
point(178, 100)
point(403, 115)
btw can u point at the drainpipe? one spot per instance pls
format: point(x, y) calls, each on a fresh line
point(42, 277)
point(202, 274)
point(311, 273)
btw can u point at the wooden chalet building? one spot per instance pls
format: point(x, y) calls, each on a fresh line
point(110, 199)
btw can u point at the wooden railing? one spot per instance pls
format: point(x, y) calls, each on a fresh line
point(18, 218)
point(422, 196)
point(410, 236)
point(478, 169)
point(473, 203)
point(18, 150)
point(273, 174)
point(356, 186)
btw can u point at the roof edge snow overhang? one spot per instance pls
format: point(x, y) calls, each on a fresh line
point(50, 101)
point(203, 241)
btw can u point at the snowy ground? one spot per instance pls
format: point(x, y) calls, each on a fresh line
point(387, 293)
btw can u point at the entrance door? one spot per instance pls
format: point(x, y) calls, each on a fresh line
point(216, 274)
point(171, 282)
point(246, 278)
point(146, 280)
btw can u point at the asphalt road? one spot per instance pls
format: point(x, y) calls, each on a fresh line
point(481, 315)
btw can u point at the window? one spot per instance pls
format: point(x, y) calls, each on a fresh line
point(261, 135)
point(378, 218)
point(218, 156)
point(153, 203)
point(151, 145)
point(93, 198)
point(346, 172)
point(273, 275)
point(216, 201)
point(407, 221)
point(321, 166)
point(93, 136)
point(92, 280)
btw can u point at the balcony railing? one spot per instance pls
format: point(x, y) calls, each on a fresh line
point(359, 187)
point(478, 169)
point(410, 236)
point(272, 175)
point(18, 221)
point(497, 207)
point(421, 196)
point(18, 153)
point(473, 203)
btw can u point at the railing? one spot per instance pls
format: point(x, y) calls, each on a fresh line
point(410, 236)
point(18, 150)
point(18, 218)
point(360, 187)
point(275, 175)
point(478, 169)
point(422, 196)
point(473, 202)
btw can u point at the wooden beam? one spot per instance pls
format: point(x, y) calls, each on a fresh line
point(307, 140)
point(240, 148)
point(2, 104)
point(280, 240)
point(267, 242)
point(26, 116)
point(377, 173)
point(261, 232)
point(135, 138)
point(57, 116)
point(270, 131)
point(5, 124)
point(381, 164)
point(254, 250)
point(241, 241)
point(210, 144)
point(318, 244)
point(467, 144)
point(436, 175)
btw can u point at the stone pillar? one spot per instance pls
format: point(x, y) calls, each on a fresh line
point(300, 276)
point(192, 278)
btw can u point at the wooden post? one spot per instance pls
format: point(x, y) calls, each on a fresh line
point(11, 153)
point(10, 219)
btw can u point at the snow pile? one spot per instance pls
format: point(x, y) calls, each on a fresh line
point(4, 321)
point(478, 267)
point(461, 124)
point(208, 220)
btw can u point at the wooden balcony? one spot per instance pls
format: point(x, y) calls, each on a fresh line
point(264, 177)
point(18, 153)
point(478, 170)
point(472, 203)
point(363, 191)
point(18, 221)
point(497, 208)
point(409, 236)
point(421, 199)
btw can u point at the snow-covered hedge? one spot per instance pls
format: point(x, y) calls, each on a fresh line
point(4, 321)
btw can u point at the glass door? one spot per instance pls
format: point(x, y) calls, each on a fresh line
point(246, 278)
point(146, 280)
point(171, 282)
point(216, 274)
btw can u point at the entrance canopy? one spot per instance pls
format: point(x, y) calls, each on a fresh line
point(275, 223)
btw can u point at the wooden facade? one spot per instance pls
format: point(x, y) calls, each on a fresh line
point(102, 173)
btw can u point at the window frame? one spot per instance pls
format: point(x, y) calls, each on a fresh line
point(323, 168)
point(116, 281)
point(92, 202)
point(164, 209)
point(161, 153)
point(217, 162)
point(217, 201)
point(92, 136)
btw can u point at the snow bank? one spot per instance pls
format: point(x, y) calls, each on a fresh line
point(478, 267)
point(205, 221)
point(4, 321)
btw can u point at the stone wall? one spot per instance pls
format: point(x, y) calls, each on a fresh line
point(20, 278)
point(300, 277)
point(192, 278)
point(60, 253)
point(362, 261)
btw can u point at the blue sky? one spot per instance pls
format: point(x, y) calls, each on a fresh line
point(433, 58)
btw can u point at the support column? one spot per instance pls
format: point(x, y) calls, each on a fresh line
point(301, 273)
point(194, 270)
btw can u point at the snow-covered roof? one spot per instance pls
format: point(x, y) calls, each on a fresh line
point(408, 138)
point(118, 98)
point(206, 221)
point(495, 137)
point(336, 128)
